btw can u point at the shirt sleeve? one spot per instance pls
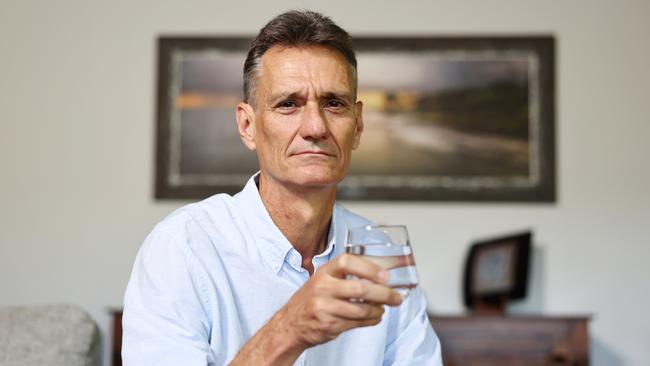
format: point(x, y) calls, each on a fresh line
point(412, 341)
point(165, 320)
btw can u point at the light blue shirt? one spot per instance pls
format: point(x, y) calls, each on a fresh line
point(214, 272)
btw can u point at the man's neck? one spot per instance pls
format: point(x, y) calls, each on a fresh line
point(303, 215)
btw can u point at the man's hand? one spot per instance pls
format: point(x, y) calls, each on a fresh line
point(322, 309)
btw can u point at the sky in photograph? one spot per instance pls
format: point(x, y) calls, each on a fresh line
point(210, 71)
point(431, 72)
point(219, 71)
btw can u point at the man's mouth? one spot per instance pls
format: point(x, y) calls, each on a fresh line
point(313, 152)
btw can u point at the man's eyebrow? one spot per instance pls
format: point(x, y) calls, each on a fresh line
point(273, 98)
point(343, 95)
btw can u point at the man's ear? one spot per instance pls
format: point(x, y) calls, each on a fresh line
point(358, 109)
point(246, 124)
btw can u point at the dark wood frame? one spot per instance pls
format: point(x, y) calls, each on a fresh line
point(166, 47)
point(497, 300)
point(543, 47)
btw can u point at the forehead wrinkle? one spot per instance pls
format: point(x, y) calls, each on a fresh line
point(294, 76)
point(284, 94)
point(282, 84)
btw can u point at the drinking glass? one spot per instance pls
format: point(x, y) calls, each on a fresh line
point(389, 247)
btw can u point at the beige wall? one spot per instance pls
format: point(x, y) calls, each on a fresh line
point(76, 152)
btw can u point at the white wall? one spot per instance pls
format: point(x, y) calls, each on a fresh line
point(76, 152)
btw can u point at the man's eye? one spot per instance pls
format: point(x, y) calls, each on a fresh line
point(287, 104)
point(335, 104)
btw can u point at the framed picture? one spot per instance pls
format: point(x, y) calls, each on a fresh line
point(446, 119)
point(496, 270)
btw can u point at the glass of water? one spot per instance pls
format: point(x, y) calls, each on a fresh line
point(389, 247)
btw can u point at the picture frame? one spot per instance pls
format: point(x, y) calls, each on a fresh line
point(496, 270)
point(468, 118)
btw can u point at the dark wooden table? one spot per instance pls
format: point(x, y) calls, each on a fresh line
point(487, 340)
point(116, 359)
point(513, 340)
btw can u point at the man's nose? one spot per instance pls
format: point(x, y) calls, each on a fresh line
point(314, 124)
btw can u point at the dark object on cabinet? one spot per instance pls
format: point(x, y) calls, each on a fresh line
point(512, 340)
point(496, 271)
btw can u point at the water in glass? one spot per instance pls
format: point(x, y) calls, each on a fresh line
point(389, 247)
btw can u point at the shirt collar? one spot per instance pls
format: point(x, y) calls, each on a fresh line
point(273, 244)
point(331, 242)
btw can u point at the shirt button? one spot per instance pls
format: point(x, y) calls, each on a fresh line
point(296, 260)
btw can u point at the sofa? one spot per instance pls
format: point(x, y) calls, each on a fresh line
point(51, 335)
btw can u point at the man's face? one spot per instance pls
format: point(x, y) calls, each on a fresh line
point(306, 121)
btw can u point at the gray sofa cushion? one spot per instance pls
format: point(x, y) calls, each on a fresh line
point(54, 335)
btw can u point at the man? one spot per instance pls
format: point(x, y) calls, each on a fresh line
point(259, 278)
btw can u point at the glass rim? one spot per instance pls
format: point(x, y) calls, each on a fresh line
point(377, 244)
point(375, 226)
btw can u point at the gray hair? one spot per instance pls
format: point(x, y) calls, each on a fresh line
point(296, 28)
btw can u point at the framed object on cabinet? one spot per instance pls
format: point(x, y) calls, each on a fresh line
point(496, 271)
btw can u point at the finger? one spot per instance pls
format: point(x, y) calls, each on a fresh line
point(356, 311)
point(348, 264)
point(336, 325)
point(366, 291)
point(365, 322)
point(351, 323)
point(337, 316)
point(390, 262)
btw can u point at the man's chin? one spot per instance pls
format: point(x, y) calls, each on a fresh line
point(317, 182)
point(318, 179)
point(308, 177)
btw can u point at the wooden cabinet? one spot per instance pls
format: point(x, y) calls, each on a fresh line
point(116, 356)
point(487, 340)
point(512, 340)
